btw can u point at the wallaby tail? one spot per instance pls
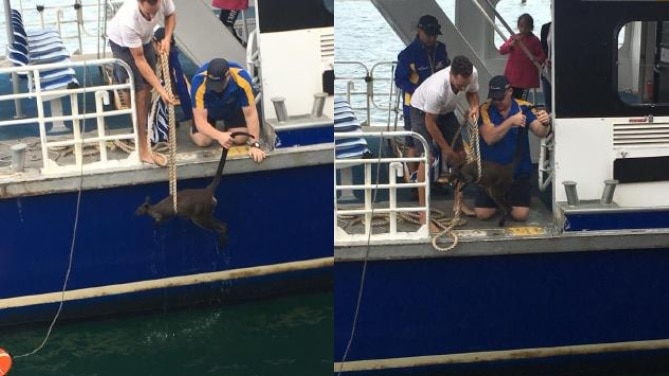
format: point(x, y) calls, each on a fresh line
point(221, 163)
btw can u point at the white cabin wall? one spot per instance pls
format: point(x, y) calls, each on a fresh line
point(290, 73)
point(584, 153)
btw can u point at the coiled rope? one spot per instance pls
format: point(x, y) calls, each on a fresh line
point(473, 156)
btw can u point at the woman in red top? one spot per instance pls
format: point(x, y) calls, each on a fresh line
point(522, 71)
point(229, 11)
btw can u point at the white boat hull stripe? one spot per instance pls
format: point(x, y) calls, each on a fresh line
point(133, 287)
point(489, 356)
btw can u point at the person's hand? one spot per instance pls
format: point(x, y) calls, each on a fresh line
point(166, 96)
point(453, 157)
point(225, 140)
point(513, 40)
point(543, 117)
point(518, 120)
point(164, 46)
point(257, 154)
point(473, 114)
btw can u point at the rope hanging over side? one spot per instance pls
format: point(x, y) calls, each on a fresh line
point(171, 159)
point(473, 156)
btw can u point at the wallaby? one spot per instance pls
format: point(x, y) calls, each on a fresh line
point(195, 204)
point(496, 179)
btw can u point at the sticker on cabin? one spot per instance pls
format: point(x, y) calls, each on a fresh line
point(526, 231)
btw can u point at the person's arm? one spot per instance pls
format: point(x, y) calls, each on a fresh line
point(507, 46)
point(491, 134)
point(253, 126)
point(203, 126)
point(403, 72)
point(149, 75)
point(541, 125)
point(435, 133)
point(473, 100)
point(170, 24)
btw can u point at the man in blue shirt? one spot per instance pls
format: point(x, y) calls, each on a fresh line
point(223, 91)
point(420, 59)
point(502, 118)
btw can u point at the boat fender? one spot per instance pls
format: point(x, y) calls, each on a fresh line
point(5, 362)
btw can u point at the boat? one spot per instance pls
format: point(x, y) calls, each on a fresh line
point(583, 279)
point(70, 182)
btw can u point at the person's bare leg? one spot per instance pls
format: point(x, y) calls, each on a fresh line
point(200, 139)
point(411, 153)
point(421, 197)
point(142, 110)
point(464, 208)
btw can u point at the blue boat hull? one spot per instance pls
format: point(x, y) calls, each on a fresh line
point(466, 305)
point(274, 217)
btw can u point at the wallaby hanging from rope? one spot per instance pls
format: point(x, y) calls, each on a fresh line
point(195, 204)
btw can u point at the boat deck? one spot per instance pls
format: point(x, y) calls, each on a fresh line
point(186, 150)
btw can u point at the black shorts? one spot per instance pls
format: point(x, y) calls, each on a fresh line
point(123, 53)
point(448, 126)
point(236, 120)
point(408, 140)
point(519, 195)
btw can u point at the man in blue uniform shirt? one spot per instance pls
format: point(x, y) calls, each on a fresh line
point(502, 118)
point(223, 91)
point(418, 61)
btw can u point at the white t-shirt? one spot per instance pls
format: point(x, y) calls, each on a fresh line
point(130, 29)
point(435, 95)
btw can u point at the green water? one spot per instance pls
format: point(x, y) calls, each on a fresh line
point(287, 336)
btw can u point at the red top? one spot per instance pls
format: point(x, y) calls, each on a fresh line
point(231, 4)
point(520, 70)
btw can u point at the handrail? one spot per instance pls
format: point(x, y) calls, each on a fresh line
point(77, 140)
point(394, 209)
point(522, 46)
point(374, 98)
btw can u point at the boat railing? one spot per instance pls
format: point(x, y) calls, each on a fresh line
point(349, 210)
point(54, 137)
point(81, 25)
point(369, 90)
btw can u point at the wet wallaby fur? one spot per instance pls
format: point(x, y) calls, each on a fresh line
point(496, 180)
point(195, 204)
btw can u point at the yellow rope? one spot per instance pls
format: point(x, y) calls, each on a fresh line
point(172, 166)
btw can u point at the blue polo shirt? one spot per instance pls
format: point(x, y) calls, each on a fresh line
point(238, 94)
point(504, 150)
point(415, 64)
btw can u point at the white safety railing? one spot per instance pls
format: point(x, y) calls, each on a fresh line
point(76, 140)
point(367, 209)
point(369, 90)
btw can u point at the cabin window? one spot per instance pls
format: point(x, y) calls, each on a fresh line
point(643, 63)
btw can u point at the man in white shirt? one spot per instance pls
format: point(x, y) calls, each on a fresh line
point(130, 33)
point(432, 115)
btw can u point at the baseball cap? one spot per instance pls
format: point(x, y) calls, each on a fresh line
point(429, 25)
point(216, 72)
point(497, 87)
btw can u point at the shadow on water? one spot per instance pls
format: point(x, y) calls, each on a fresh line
point(287, 336)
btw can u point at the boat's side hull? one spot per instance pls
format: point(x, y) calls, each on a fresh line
point(458, 309)
point(275, 221)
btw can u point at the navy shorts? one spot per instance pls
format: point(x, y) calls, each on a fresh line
point(519, 195)
point(409, 141)
point(236, 120)
point(448, 126)
point(123, 53)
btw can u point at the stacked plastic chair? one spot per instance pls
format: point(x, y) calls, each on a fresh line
point(354, 146)
point(40, 47)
